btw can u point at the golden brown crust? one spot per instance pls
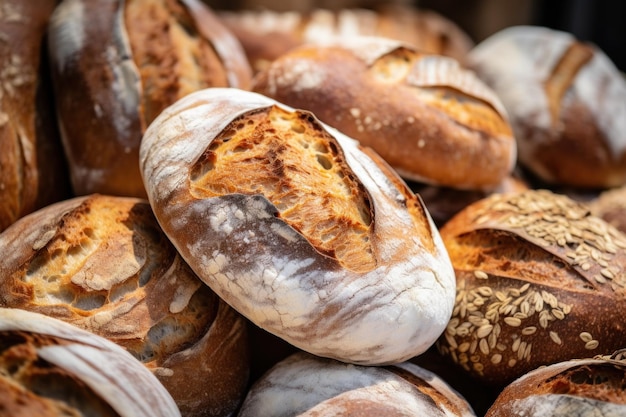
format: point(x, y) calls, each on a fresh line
point(426, 116)
point(574, 387)
point(32, 168)
point(291, 223)
point(539, 280)
point(155, 52)
point(103, 264)
point(610, 205)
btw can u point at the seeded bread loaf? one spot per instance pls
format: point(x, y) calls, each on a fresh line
point(539, 280)
point(579, 387)
point(267, 34)
point(430, 119)
point(33, 170)
point(49, 368)
point(103, 264)
point(293, 388)
point(117, 64)
point(309, 235)
point(566, 101)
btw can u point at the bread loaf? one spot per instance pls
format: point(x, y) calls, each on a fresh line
point(306, 233)
point(116, 65)
point(33, 170)
point(305, 385)
point(539, 281)
point(566, 101)
point(49, 368)
point(103, 264)
point(430, 119)
point(267, 34)
point(610, 205)
point(578, 387)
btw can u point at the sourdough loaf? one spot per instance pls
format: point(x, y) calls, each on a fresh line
point(267, 34)
point(116, 65)
point(103, 264)
point(305, 385)
point(49, 368)
point(566, 101)
point(610, 205)
point(430, 119)
point(578, 387)
point(33, 171)
point(539, 280)
point(302, 230)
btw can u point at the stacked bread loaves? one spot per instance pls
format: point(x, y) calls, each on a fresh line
point(116, 65)
point(49, 368)
point(539, 280)
point(265, 34)
point(430, 119)
point(566, 101)
point(33, 170)
point(302, 230)
point(103, 264)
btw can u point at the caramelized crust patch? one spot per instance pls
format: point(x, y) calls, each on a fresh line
point(173, 58)
point(288, 158)
point(598, 382)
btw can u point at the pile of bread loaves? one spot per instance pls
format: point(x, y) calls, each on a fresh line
point(342, 212)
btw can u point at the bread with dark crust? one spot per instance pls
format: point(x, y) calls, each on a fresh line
point(103, 264)
point(116, 65)
point(539, 280)
point(432, 120)
point(305, 232)
point(566, 102)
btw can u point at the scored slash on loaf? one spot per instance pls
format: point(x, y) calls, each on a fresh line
point(298, 227)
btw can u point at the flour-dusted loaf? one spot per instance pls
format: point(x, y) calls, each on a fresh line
point(33, 171)
point(267, 34)
point(302, 230)
point(116, 64)
point(539, 280)
point(103, 264)
point(432, 120)
point(566, 102)
point(577, 387)
point(49, 368)
point(305, 385)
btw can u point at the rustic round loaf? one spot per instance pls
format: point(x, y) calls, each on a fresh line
point(539, 281)
point(299, 228)
point(116, 65)
point(578, 387)
point(305, 385)
point(267, 34)
point(49, 368)
point(566, 101)
point(33, 170)
point(103, 264)
point(430, 119)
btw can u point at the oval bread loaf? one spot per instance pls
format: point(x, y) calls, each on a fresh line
point(539, 280)
point(103, 264)
point(566, 102)
point(303, 231)
point(578, 387)
point(432, 120)
point(116, 65)
point(49, 368)
point(292, 388)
